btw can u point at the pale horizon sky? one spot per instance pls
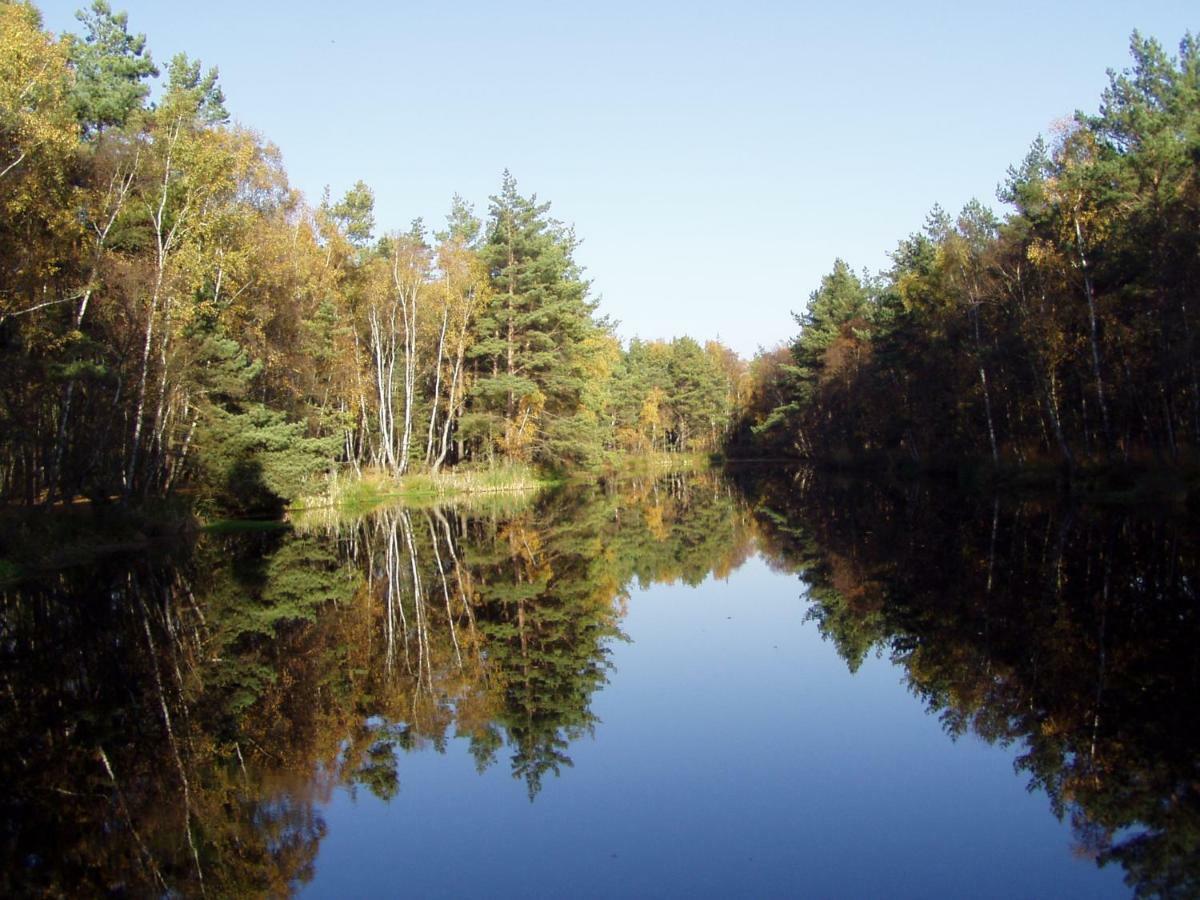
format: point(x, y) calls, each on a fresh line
point(715, 159)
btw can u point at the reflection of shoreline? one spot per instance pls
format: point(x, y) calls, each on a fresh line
point(211, 703)
point(1067, 631)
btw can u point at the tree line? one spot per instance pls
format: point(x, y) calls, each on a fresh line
point(1063, 332)
point(174, 314)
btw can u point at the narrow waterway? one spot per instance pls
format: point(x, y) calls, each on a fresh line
point(670, 686)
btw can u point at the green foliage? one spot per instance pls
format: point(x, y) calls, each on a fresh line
point(175, 318)
point(111, 68)
point(355, 214)
point(669, 397)
point(1064, 332)
point(195, 92)
point(839, 310)
point(535, 335)
point(462, 224)
point(252, 457)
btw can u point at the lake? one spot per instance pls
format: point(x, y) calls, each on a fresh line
point(757, 684)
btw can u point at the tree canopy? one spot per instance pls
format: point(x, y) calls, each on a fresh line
point(1062, 332)
point(174, 314)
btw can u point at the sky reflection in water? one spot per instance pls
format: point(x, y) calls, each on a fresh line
point(666, 686)
point(735, 755)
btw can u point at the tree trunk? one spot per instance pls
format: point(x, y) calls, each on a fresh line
point(437, 387)
point(1093, 334)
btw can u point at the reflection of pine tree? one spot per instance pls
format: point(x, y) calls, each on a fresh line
point(547, 597)
point(1066, 633)
point(268, 651)
point(546, 645)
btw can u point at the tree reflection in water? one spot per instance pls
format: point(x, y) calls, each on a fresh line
point(176, 724)
point(173, 725)
point(1066, 631)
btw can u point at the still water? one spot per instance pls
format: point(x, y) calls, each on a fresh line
point(674, 686)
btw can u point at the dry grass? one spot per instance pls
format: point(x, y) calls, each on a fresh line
point(347, 498)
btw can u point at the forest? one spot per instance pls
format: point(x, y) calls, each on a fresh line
point(174, 316)
point(1061, 334)
point(182, 329)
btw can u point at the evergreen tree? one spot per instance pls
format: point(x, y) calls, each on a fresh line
point(111, 68)
point(536, 335)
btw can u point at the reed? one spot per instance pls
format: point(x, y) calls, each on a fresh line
point(363, 492)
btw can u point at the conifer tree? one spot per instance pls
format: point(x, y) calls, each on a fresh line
point(535, 334)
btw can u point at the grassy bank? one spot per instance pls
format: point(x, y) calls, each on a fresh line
point(363, 492)
point(506, 486)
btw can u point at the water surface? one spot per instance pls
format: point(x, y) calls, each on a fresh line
point(663, 686)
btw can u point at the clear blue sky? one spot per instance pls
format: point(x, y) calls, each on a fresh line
point(714, 157)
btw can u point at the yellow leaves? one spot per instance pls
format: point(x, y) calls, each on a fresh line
point(910, 287)
point(521, 430)
point(227, 196)
point(1050, 727)
point(601, 352)
point(651, 413)
point(36, 123)
point(654, 523)
point(631, 440)
point(38, 140)
point(598, 356)
point(524, 542)
point(1040, 252)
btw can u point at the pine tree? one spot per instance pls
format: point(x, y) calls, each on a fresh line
point(536, 336)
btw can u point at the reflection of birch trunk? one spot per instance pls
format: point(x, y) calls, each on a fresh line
point(171, 740)
point(424, 656)
point(445, 590)
point(393, 602)
point(389, 616)
point(1060, 551)
point(145, 851)
point(992, 542)
point(463, 584)
point(1102, 662)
